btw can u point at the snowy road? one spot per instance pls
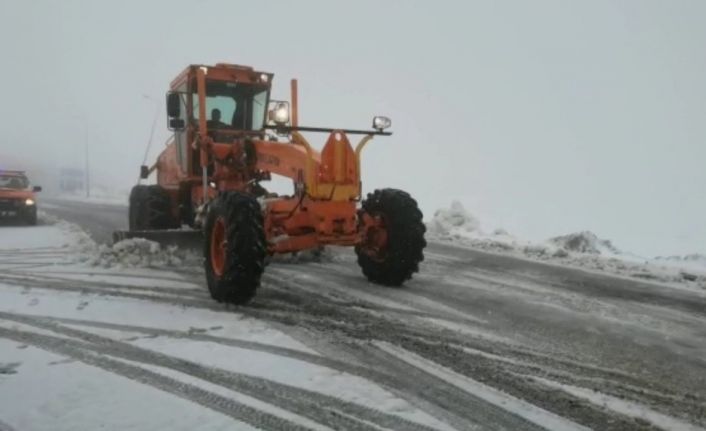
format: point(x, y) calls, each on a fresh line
point(98, 219)
point(476, 341)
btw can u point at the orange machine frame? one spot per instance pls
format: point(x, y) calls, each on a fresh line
point(327, 183)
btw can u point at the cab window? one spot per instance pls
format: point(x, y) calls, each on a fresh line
point(232, 105)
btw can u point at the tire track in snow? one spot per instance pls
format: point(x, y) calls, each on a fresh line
point(465, 404)
point(296, 307)
point(283, 279)
point(210, 400)
point(538, 418)
point(318, 407)
point(14, 277)
point(282, 301)
point(398, 383)
point(194, 299)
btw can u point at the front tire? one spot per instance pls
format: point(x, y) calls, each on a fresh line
point(234, 247)
point(393, 237)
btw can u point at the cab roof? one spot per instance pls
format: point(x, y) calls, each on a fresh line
point(225, 72)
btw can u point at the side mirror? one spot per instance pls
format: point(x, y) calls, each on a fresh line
point(37, 188)
point(176, 124)
point(144, 172)
point(173, 105)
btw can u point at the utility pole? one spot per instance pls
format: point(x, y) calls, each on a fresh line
point(154, 126)
point(88, 176)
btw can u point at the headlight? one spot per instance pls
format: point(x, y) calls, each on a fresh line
point(29, 202)
point(280, 114)
point(380, 123)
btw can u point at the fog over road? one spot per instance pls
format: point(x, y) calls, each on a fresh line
point(98, 220)
point(595, 350)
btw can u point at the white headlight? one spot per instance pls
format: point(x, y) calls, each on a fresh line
point(281, 113)
point(380, 123)
point(29, 202)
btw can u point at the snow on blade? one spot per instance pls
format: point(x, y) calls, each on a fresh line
point(136, 253)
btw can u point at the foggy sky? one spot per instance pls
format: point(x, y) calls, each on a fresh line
point(542, 117)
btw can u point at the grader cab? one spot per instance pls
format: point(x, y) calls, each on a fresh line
point(229, 137)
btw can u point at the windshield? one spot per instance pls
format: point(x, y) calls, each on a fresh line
point(17, 182)
point(232, 105)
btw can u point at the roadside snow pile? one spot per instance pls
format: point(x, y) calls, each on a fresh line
point(690, 266)
point(584, 242)
point(137, 253)
point(697, 259)
point(582, 249)
point(454, 221)
point(455, 224)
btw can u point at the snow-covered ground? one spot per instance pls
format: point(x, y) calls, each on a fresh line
point(83, 346)
point(127, 337)
point(581, 249)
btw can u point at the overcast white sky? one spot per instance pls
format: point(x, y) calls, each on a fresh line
point(543, 117)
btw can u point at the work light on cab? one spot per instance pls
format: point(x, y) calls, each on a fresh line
point(280, 114)
point(381, 123)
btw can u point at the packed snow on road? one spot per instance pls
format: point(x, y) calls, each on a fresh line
point(494, 333)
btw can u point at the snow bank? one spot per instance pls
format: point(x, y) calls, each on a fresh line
point(689, 259)
point(455, 224)
point(584, 242)
point(582, 249)
point(454, 221)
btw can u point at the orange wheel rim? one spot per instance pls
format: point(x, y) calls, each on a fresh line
point(218, 246)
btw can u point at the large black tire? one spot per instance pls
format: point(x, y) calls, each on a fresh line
point(399, 258)
point(150, 209)
point(236, 280)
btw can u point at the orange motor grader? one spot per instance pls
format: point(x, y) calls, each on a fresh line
point(228, 138)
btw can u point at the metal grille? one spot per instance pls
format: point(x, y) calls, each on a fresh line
point(9, 204)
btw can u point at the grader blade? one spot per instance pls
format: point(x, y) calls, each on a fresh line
point(185, 239)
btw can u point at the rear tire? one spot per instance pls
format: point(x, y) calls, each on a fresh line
point(150, 209)
point(395, 261)
point(234, 247)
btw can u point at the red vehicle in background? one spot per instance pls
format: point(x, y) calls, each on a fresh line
point(17, 198)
